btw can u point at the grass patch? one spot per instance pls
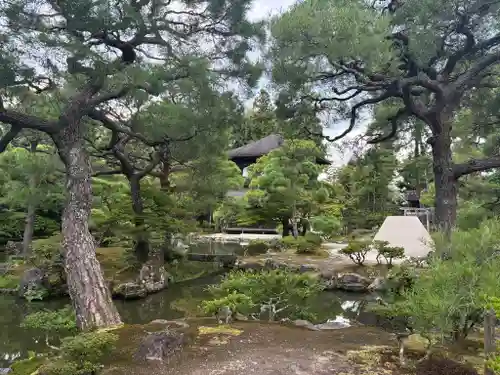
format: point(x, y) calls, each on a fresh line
point(9, 281)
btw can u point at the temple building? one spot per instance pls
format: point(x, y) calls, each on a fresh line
point(247, 155)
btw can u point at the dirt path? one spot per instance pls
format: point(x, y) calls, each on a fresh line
point(263, 349)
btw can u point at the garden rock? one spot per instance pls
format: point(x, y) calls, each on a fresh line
point(160, 346)
point(5, 370)
point(378, 285)
point(33, 281)
point(152, 278)
point(130, 290)
point(352, 282)
point(240, 317)
point(305, 324)
point(308, 268)
point(248, 266)
point(271, 264)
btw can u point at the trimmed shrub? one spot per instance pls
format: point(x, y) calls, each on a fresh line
point(257, 247)
point(356, 251)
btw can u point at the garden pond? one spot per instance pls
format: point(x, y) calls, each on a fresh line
point(179, 300)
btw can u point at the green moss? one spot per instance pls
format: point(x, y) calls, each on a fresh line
point(27, 366)
point(115, 265)
point(9, 281)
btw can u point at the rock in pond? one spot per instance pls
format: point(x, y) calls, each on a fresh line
point(352, 282)
point(130, 291)
point(160, 346)
point(378, 285)
point(152, 278)
point(5, 370)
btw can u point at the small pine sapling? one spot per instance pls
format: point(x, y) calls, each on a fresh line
point(356, 251)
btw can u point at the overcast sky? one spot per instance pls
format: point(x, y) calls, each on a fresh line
point(264, 9)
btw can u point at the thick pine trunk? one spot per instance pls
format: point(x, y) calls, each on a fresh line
point(29, 221)
point(141, 246)
point(446, 184)
point(87, 288)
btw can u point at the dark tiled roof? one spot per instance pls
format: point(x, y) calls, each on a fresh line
point(258, 148)
point(262, 147)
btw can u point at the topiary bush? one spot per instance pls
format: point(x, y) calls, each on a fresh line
point(356, 251)
point(257, 247)
point(81, 354)
point(303, 246)
point(308, 244)
point(389, 253)
point(276, 293)
point(313, 238)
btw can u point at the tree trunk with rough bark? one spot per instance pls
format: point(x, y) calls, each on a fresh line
point(29, 222)
point(446, 184)
point(142, 245)
point(87, 287)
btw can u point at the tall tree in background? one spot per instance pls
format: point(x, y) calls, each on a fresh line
point(365, 187)
point(90, 57)
point(284, 185)
point(422, 58)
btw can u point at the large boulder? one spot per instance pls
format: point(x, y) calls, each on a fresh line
point(352, 282)
point(33, 284)
point(152, 278)
point(378, 285)
point(130, 290)
point(160, 346)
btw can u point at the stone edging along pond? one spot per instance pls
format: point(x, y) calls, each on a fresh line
point(155, 280)
point(332, 280)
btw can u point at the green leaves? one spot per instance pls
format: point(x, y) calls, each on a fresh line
point(285, 182)
point(448, 296)
point(315, 32)
point(247, 292)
